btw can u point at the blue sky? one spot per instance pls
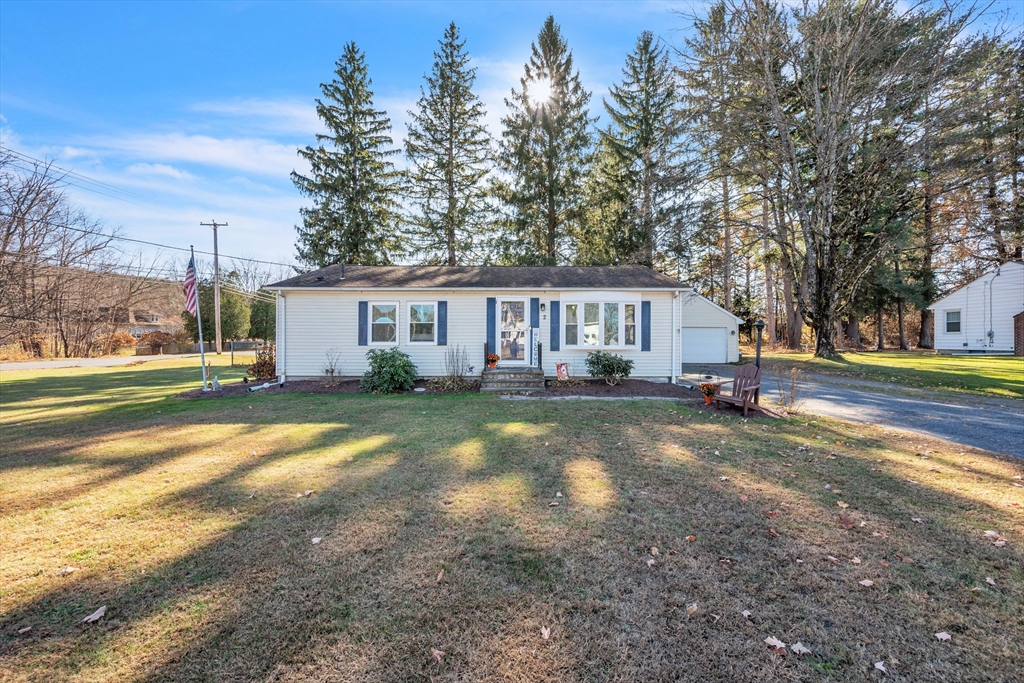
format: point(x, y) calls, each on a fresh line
point(196, 109)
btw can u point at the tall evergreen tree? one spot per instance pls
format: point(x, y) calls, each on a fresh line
point(643, 139)
point(449, 150)
point(352, 184)
point(544, 153)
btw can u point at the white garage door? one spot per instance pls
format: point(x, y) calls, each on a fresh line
point(705, 345)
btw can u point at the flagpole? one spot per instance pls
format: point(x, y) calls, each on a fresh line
point(199, 323)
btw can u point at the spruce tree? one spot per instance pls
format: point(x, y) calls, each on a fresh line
point(449, 151)
point(352, 184)
point(544, 152)
point(642, 138)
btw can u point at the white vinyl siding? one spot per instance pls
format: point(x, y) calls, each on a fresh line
point(313, 322)
point(986, 304)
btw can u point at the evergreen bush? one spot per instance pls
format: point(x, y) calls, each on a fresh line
point(612, 367)
point(390, 370)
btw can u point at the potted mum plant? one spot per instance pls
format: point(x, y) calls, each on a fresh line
point(708, 390)
point(492, 359)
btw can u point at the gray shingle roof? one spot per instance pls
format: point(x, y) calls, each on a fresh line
point(481, 277)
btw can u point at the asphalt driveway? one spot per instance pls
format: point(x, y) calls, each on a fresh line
point(992, 424)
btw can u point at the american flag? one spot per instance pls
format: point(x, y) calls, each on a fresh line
point(191, 295)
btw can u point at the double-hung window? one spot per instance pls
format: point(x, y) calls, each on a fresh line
point(383, 323)
point(953, 321)
point(606, 324)
point(422, 323)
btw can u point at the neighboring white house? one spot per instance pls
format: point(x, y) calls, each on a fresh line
point(978, 317)
point(568, 311)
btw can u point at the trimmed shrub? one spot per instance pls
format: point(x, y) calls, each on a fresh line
point(390, 370)
point(612, 367)
point(114, 342)
point(158, 341)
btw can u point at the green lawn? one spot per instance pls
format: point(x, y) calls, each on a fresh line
point(468, 524)
point(1000, 376)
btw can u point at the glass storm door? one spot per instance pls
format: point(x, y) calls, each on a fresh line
point(513, 342)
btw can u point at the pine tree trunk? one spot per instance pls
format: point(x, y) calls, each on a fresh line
point(769, 282)
point(727, 247)
point(853, 332)
point(899, 312)
point(926, 338)
point(880, 321)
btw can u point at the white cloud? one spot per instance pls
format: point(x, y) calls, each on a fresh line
point(159, 170)
point(252, 155)
point(287, 116)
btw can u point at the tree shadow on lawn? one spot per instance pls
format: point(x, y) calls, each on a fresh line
point(474, 498)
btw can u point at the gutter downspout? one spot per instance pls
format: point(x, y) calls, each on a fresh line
point(673, 376)
point(280, 337)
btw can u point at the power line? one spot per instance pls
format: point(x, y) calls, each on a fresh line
point(151, 244)
point(74, 174)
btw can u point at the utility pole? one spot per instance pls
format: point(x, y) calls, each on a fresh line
point(216, 280)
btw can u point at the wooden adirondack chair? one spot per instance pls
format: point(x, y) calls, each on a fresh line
point(746, 389)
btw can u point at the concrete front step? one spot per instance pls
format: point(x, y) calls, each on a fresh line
point(506, 380)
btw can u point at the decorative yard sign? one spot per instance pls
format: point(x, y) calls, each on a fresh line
point(562, 370)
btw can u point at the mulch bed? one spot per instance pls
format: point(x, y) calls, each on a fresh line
point(302, 386)
point(629, 388)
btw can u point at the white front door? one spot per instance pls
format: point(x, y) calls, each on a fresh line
point(512, 342)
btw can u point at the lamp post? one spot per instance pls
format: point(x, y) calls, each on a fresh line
point(760, 328)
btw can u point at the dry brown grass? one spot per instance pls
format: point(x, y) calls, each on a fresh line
point(148, 496)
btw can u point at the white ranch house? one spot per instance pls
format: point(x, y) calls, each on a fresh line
point(525, 315)
point(978, 317)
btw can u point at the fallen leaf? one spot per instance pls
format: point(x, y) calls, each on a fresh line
point(437, 654)
point(691, 539)
point(943, 636)
point(746, 613)
point(881, 667)
point(654, 551)
point(833, 559)
point(842, 504)
point(67, 570)
point(95, 616)
point(716, 616)
point(905, 558)
point(234, 511)
point(846, 522)
point(558, 494)
point(917, 520)
point(440, 576)
point(799, 649)
point(990, 581)
point(316, 540)
point(743, 498)
point(773, 533)
point(298, 495)
point(776, 644)
point(993, 535)
point(883, 563)
point(828, 486)
point(651, 562)
point(722, 478)
point(552, 505)
point(772, 514)
point(855, 560)
point(545, 632)
point(867, 583)
point(999, 543)
point(309, 493)
point(691, 608)
point(22, 631)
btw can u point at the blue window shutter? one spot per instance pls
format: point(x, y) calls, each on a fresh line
point(363, 314)
point(534, 312)
point(645, 325)
point(442, 323)
point(492, 325)
point(556, 331)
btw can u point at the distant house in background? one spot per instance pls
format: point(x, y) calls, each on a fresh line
point(530, 317)
point(979, 317)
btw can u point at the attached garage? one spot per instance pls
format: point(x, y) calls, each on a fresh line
point(708, 333)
